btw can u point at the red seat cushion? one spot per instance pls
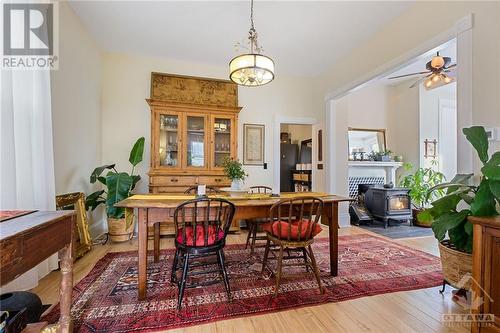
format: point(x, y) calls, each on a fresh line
point(214, 235)
point(273, 229)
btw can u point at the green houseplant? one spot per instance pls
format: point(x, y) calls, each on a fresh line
point(233, 169)
point(419, 183)
point(118, 186)
point(449, 214)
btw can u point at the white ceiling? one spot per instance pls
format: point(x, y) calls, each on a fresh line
point(304, 38)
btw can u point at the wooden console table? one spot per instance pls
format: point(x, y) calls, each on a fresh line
point(27, 240)
point(486, 270)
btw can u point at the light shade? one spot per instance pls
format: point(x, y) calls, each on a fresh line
point(437, 80)
point(251, 69)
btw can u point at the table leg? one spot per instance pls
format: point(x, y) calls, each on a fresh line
point(331, 214)
point(157, 242)
point(142, 252)
point(66, 263)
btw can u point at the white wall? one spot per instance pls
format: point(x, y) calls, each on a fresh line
point(368, 107)
point(417, 26)
point(126, 115)
point(76, 107)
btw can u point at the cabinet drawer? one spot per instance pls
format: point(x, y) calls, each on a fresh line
point(174, 181)
point(213, 180)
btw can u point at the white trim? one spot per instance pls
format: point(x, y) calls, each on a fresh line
point(278, 120)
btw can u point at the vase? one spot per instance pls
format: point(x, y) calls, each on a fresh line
point(120, 230)
point(236, 184)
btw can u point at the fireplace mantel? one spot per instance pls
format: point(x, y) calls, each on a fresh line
point(360, 168)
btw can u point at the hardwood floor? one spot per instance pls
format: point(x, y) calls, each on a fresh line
point(408, 311)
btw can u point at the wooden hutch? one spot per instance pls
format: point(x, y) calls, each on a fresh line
point(194, 124)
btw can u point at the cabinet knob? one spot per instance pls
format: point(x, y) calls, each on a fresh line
point(218, 180)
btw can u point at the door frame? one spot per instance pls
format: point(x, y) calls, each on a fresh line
point(462, 32)
point(278, 120)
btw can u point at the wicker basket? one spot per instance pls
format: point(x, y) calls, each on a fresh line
point(456, 264)
point(118, 230)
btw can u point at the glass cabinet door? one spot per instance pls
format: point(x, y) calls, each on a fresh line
point(195, 143)
point(222, 138)
point(169, 140)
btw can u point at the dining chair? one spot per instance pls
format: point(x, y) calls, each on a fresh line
point(254, 224)
point(292, 226)
point(209, 190)
point(201, 227)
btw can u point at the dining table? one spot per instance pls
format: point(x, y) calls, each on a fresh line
point(155, 209)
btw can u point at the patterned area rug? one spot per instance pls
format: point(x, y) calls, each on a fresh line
point(106, 299)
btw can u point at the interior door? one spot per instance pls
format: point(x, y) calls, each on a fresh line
point(447, 143)
point(196, 135)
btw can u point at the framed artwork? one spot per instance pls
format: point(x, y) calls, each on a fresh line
point(430, 148)
point(253, 144)
point(76, 201)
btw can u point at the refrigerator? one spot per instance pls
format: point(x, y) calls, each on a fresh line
point(289, 157)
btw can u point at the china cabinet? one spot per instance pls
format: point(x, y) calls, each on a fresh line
point(194, 125)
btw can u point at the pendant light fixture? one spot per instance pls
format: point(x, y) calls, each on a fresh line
point(253, 68)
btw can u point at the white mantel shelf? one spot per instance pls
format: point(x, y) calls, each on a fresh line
point(375, 164)
point(389, 168)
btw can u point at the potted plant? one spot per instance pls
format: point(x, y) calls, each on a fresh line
point(118, 186)
point(380, 156)
point(449, 213)
point(419, 183)
point(233, 169)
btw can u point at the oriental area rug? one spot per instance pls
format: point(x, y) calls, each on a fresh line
point(106, 299)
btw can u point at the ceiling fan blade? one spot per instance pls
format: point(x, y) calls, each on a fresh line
point(451, 66)
point(419, 80)
point(405, 75)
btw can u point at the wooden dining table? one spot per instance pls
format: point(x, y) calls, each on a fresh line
point(153, 209)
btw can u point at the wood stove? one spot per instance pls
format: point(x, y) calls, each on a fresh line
point(388, 203)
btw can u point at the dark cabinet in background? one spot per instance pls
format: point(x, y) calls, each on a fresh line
point(288, 161)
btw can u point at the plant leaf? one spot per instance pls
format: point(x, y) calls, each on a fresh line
point(492, 168)
point(460, 178)
point(476, 135)
point(484, 202)
point(102, 180)
point(137, 152)
point(92, 200)
point(446, 222)
point(135, 180)
point(445, 204)
point(495, 189)
point(97, 172)
point(425, 217)
point(118, 189)
point(458, 236)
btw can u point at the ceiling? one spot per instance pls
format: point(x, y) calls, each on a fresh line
point(304, 38)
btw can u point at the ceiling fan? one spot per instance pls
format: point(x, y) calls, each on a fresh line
point(439, 72)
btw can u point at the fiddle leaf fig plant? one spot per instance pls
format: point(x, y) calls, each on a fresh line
point(449, 213)
point(118, 185)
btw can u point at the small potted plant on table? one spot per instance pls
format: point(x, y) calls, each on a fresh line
point(119, 186)
point(419, 183)
point(449, 214)
point(233, 169)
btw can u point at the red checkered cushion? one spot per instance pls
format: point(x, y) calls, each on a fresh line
point(214, 235)
point(273, 229)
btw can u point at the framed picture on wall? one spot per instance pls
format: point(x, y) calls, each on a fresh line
point(430, 150)
point(253, 144)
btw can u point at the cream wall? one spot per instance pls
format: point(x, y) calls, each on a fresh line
point(367, 107)
point(415, 27)
point(126, 115)
point(76, 108)
point(298, 133)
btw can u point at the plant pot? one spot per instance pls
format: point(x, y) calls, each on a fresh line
point(455, 264)
point(416, 221)
point(119, 230)
point(236, 184)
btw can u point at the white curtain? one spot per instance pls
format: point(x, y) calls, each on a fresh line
point(27, 159)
